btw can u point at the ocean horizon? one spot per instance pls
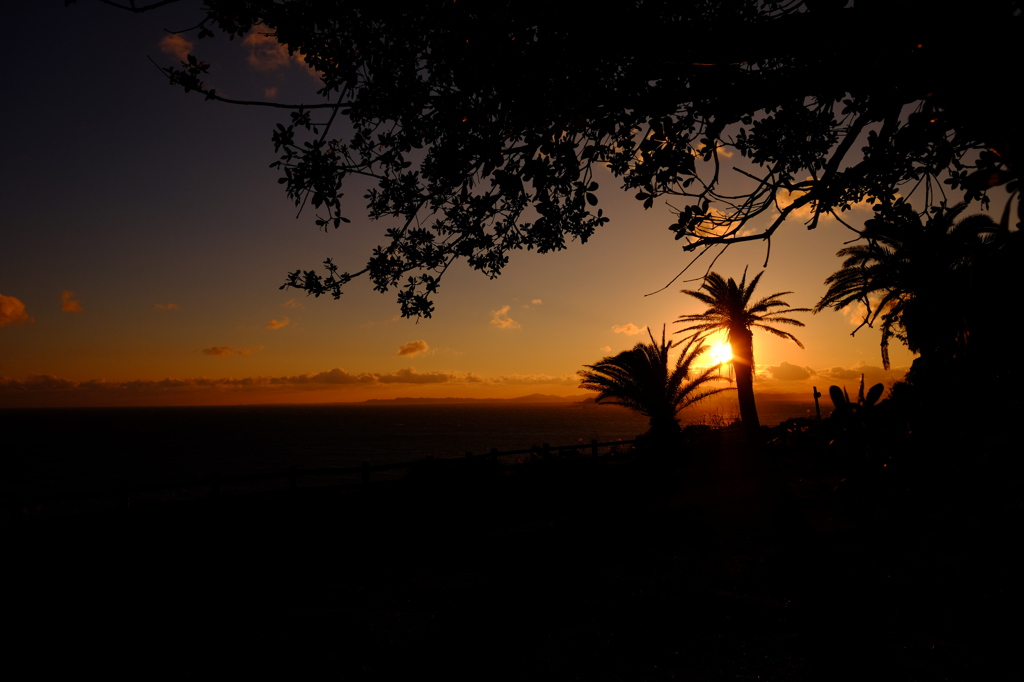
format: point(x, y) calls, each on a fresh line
point(66, 450)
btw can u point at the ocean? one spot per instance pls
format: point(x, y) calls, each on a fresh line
point(64, 450)
point(61, 451)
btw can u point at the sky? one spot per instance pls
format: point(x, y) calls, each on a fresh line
point(145, 238)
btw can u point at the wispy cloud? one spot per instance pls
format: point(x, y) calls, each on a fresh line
point(501, 320)
point(537, 301)
point(628, 329)
point(68, 303)
point(413, 348)
point(12, 311)
point(166, 306)
point(277, 324)
point(177, 45)
point(227, 351)
point(292, 304)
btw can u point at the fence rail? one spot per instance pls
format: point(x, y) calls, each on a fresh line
point(216, 485)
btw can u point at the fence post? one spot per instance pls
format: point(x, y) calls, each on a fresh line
point(364, 472)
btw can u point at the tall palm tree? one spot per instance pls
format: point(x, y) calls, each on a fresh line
point(730, 310)
point(920, 280)
point(642, 379)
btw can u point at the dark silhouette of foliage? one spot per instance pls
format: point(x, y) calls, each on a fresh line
point(921, 281)
point(730, 310)
point(642, 379)
point(486, 127)
point(846, 409)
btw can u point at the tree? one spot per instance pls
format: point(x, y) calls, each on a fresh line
point(487, 127)
point(929, 283)
point(730, 310)
point(642, 379)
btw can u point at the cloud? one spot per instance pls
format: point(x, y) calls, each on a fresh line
point(270, 93)
point(40, 382)
point(628, 329)
point(326, 379)
point(339, 376)
point(606, 349)
point(12, 311)
point(856, 312)
point(176, 44)
point(53, 390)
point(411, 376)
point(872, 374)
point(292, 304)
point(787, 372)
point(265, 53)
point(277, 324)
point(786, 197)
point(537, 301)
point(841, 374)
point(166, 306)
point(413, 348)
point(500, 318)
point(530, 379)
point(225, 351)
point(68, 303)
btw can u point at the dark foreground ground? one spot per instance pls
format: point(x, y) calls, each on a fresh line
point(731, 565)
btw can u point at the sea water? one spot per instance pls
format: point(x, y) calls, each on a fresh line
point(57, 451)
point(73, 449)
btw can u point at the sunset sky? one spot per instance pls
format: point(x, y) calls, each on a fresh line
point(144, 238)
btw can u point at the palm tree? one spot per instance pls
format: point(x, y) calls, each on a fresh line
point(730, 310)
point(919, 280)
point(643, 380)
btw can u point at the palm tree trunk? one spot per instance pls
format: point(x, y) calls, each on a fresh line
point(742, 342)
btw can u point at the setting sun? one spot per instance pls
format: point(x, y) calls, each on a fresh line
point(721, 352)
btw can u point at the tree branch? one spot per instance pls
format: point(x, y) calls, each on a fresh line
point(212, 94)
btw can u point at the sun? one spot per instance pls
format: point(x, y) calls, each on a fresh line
point(721, 352)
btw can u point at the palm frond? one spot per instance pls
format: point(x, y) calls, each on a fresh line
point(642, 380)
point(908, 265)
point(730, 308)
